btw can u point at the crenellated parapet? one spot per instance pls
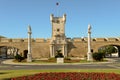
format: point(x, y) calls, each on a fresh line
point(93, 39)
point(7, 40)
point(106, 39)
point(42, 40)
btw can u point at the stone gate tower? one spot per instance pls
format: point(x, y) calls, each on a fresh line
point(58, 40)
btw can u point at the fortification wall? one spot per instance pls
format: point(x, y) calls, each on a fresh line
point(40, 47)
point(77, 47)
point(40, 50)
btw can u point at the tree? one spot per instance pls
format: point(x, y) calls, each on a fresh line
point(107, 50)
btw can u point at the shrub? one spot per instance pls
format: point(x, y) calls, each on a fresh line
point(67, 58)
point(19, 58)
point(98, 56)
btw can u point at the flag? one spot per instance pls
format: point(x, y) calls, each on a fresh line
point(57, 3)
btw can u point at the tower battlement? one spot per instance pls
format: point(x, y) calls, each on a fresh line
point(58, 19)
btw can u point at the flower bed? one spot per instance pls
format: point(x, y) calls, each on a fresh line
point(71, 76)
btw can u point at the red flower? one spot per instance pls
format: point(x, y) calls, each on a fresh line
point(71, 76)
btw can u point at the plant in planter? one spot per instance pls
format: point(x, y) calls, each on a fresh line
point(19, 58)
point(59, 56)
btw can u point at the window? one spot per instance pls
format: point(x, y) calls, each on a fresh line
point(58, 30)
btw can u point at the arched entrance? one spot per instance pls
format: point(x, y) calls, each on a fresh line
point(118, 50)
point(3, 51)
point(8, 51)
point(110, 50)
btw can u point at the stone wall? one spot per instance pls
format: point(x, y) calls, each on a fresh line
point(77, 47)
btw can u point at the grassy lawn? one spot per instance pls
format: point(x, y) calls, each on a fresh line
point(5, 74)
point(53, 60)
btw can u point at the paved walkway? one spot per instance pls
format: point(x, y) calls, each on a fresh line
point(10, 65)
point(10, 61)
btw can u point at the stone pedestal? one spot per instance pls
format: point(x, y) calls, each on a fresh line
point(89, 56)
point(29, 58)
point(60, 60)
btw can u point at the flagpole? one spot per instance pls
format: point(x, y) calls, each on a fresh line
point(57, 11)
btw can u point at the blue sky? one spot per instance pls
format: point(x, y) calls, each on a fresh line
point(16, 15)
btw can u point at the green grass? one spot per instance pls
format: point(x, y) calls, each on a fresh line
point(6, 74)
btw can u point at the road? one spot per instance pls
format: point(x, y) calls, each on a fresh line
point(112, 65)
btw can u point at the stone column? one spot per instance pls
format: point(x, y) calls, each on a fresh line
point(51, 50)
point(63, 50)
point(52, 54)
point(66, 50)
point(89, 54)
point(29, 55)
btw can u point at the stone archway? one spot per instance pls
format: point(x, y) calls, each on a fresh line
point(118, 50)
point(114, 54)
point(8, 51)
point(3, 51)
